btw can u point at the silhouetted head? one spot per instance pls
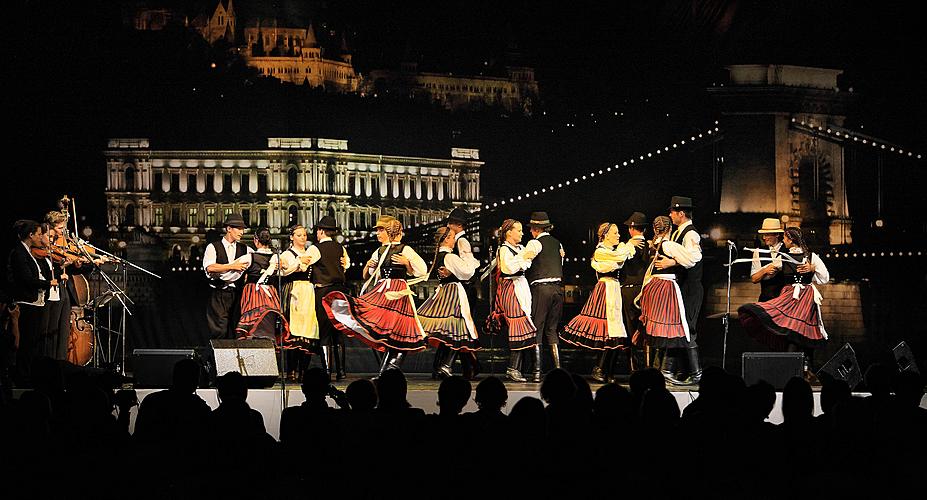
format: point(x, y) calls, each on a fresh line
point(392, 389)
point(909, 388)
point(453, 394)
point(529, 417)
point(797, 401)
point(491, 394)
point(647, 379)
point(759, 401)
point(315, 384)
point(558, 387)
point(613, 403)
point(583, 395)
point(186, 377)
point(879, 380)
point(47, 376)
point(833, 392)
point(362, 395)
point(231, 387)
point(659, 409)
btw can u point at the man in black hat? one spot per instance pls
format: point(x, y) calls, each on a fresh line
point(327, 276)
point(689, 279)
point(456, 223)
point(545, 276)
point(224, 266)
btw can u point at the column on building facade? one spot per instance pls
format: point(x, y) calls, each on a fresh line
point(418, 186)
point(429, 187)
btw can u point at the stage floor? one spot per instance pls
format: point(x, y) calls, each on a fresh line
point(422, 393)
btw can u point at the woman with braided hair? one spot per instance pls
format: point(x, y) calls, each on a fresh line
point(792, 321)
point(260, 305)
point(600, 324)
point(384, 316)
point(663, 314)
point(298, 301)
point(513, 296)
point(445, 316)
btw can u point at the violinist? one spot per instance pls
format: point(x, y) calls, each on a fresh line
point(65, 264)
point(28, 285)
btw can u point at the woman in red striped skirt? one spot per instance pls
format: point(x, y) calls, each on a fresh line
point(445, 316)
point(384, 316)
point(792, 321)
point(663, 314)
point(513, 296)
point(600, 326)
point(260, 304)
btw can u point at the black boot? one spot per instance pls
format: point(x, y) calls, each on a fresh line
point(340, 366)
point(536, 376)
point(327, 361)
point(695, 368)
point(635, 361)
point(601, 372)
point(445, 370)
point(441, 352)
point(668, 368)
point(512, 372)
point(470, 364)
point(555, 353)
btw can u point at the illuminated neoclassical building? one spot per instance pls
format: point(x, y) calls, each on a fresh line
point(180, 195)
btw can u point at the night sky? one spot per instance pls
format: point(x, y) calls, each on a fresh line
point(626, 76)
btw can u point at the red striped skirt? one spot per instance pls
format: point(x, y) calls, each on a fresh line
point(522, 332)
point(443, 320)
point(661, 315)
point(784, 320)
point(260, 308)
point(376, 320)
point(590, 328)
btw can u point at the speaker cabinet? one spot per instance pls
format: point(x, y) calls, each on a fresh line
point(256, 359)
point(844, 366)
point(776, 368)
point(155, 367)
point(904, 356)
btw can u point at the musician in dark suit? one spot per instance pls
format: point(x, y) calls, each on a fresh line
point(28, 284)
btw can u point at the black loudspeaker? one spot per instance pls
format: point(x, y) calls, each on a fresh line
point(904, 356)
point(155, 367)
point(256, 359)
point(775, 368)
point(844, 366)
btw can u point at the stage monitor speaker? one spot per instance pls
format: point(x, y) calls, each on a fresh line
point(155, 367)
point(844, 366)
point(904, 356)
point(256, 359)
point(776, 368)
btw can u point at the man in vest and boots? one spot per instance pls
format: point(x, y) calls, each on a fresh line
point(223, 264)
point(689, 278)
point(769, 276)
point(456, 223)
point(328, 276)
point(545, 276)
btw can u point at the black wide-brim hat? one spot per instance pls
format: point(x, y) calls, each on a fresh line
point(681, 203)
point(235, 220)
point(540, 220)
point(637, 219)
point(458, 216)
point(327, 222)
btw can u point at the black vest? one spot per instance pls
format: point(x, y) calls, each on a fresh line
point(791, 275)
point(634, 269)
point(222, 258)
point(298, 275)
point(520, 272)
point(259, 262)
point(693, 273)
point(770, 288)
point(451, 278)
point(328, 270)
point(548, 263)
point(389, 270)
point(668, 270)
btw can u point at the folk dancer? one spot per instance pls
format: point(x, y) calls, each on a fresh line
point(330, 260)
point(545, 278)
point(792, 321)
point(384, 316)
point(298, 300)
point(512, 302)
point(770, 276)
point(224, 264)
point(260, 303)
point(456, 222)
point(663, 311)
point(445, 316)
point(599, 325)
point(631, 276)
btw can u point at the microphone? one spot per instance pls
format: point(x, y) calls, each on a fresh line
point(731, 243)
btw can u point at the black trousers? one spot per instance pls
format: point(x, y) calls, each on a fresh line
point(546, 310)
point(328, 334)
point(631, 314)
point(223, 312)
point(30, 332)
point(57, 328)
point(692, 295)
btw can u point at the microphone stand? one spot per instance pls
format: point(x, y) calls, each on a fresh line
point(278, 329)
point(726, 319)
